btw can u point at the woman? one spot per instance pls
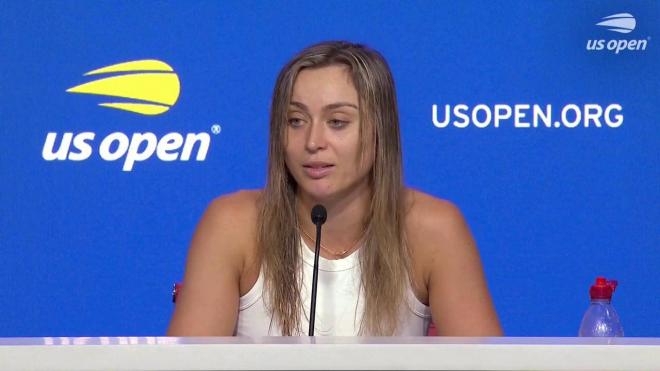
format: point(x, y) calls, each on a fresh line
point(391, 256)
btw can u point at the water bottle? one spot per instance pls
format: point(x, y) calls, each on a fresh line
point(601, 319)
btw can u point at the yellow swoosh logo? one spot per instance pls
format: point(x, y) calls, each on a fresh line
point(151, 82)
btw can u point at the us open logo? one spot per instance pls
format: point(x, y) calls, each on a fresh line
point(145, 87)
point(621, 23)
point(152, 84)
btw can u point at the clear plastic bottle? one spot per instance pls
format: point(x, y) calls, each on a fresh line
point(601, 319)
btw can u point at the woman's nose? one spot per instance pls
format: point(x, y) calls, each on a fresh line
point(315, 137)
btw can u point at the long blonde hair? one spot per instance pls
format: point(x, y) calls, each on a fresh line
point(384, 255)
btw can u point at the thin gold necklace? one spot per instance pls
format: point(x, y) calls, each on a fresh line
point(336, 254)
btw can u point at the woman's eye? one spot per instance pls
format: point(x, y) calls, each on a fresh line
point(295, 122)
point(337, 124)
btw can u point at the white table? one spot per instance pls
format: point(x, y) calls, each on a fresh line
point(277, 353)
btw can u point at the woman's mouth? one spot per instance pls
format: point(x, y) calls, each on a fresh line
point(318, 170)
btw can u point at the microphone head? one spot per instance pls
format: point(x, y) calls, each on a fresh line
point(319, 214)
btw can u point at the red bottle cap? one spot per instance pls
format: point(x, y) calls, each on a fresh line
point(603, 288)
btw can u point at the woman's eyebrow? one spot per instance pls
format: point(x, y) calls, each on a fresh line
point(329, 107)
point(339, 105)
point(299, 105)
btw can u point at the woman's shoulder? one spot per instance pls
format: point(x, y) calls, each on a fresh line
point(429, 214)
point(233, 217)
point(435, 228)
point(244, 200)
point(239, 209)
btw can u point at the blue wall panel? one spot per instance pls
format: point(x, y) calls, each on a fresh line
point(88, 249)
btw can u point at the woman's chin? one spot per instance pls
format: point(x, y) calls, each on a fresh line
point(323, 191)
point(318, 193)
point(320, 196)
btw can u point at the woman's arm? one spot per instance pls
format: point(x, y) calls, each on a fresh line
point(458, 294)
point(208, 302)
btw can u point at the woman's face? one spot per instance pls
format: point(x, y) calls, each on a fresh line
point(323, 135)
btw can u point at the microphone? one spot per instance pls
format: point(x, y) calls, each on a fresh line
point(319, 216)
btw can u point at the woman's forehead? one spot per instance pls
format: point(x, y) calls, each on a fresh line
point(319, 87)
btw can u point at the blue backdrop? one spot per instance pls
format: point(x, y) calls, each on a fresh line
point(88, 249)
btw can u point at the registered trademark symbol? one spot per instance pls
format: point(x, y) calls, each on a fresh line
point(216, 129)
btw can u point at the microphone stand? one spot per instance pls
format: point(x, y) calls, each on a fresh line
point(319, 215)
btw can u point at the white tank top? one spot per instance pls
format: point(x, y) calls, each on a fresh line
point(339, 303)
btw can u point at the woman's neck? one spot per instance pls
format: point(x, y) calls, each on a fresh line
point(345, 224)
